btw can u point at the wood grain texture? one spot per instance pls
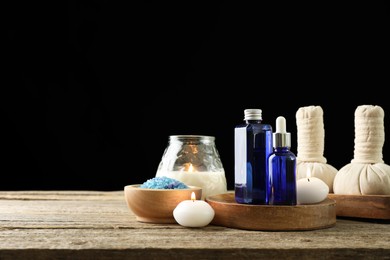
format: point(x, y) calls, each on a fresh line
point(86, 225)
point(362, 206)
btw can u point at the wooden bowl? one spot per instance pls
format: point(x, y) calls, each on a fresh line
point(157, 205)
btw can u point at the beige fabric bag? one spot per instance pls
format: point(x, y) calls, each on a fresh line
point(311, 137)
point(367, 174)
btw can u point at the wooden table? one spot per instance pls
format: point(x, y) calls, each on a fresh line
point(98, 225)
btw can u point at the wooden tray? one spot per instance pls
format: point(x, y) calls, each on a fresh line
point(362, 206)
point(228, 213)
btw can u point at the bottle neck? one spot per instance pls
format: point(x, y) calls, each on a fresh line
point(252, 121)
point(282, 149)
point(281, 140)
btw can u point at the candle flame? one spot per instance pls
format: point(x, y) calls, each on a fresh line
point(308, 173)
point(188, 167)
point(193, 196)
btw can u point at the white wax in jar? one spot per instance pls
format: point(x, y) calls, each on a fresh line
point(193, 213)
point(212, 183)
point(311, 190)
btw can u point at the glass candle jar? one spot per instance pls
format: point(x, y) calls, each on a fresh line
point(194, 160)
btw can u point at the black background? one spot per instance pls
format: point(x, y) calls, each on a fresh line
point(92, 90)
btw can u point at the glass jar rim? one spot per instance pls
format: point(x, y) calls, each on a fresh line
point(192, 137)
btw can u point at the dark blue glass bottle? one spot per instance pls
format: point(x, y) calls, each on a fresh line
point(252, 147)
point(282, 168)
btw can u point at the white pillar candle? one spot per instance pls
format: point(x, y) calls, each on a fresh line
point(193, 213)
point(311, 190)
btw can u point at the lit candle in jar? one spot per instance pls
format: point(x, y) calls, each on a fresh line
point(311, 190)
point(193, 213)
point(195, 161)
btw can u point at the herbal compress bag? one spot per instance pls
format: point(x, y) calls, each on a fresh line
point(311, 137)
point(367, 174)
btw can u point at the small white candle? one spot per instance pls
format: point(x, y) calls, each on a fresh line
point(311, 190)
point(193, 213)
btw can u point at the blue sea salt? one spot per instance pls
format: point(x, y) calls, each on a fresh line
point(163, 182)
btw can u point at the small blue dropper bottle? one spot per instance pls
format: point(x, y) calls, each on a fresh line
point(282, 167)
